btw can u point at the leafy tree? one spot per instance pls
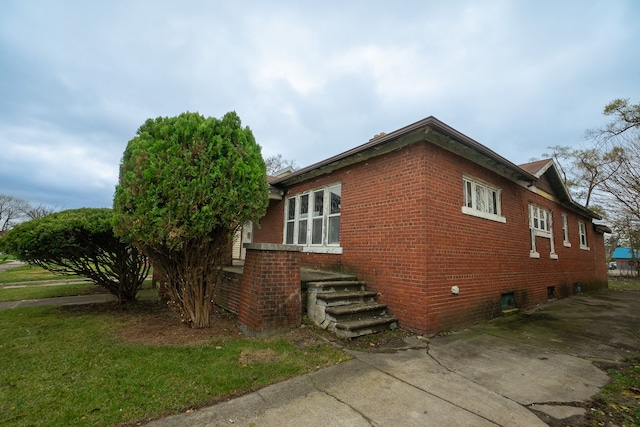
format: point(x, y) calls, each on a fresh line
point(277, 163)
point(187, 183)
point(80, 241)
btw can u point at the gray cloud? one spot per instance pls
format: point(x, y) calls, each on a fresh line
point(78, 78)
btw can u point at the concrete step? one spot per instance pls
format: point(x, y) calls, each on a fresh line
point(346, 308)
point(345, 298)
point(356, 328)
point(356, 311)
point(335, 286)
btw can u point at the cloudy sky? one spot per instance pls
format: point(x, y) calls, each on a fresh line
point(311, 79)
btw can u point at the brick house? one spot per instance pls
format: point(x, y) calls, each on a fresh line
point(626, 259)
point(446, 231)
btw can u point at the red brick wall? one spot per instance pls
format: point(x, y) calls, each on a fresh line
point(403, 233)
point(270, 290)
point(271, 226)
point(227, 295)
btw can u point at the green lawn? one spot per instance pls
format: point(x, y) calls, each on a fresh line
point(27, 273)
point(4, 258)
point(61, 368)
point(618, 403)
point(36, 276)
point(621, 283)
point(38, 292)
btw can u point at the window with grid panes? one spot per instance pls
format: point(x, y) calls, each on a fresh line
point(482, 199)
point(313, 218)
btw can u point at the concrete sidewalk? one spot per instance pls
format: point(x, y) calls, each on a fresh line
point(75, 300)
point(525, 370)
point(11, 264)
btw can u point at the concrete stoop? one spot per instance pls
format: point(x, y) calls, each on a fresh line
point(346, 308)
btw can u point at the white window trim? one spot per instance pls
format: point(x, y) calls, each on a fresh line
point(472, 210)
point(582, 231)
point(324, 247)
point(544, 232)
point(565, 231)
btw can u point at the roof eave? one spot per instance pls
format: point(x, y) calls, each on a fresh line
point(430, 130)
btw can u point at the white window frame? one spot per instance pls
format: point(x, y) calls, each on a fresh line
point(565, 231)
point(300, 225)
point(541, 225)
point(482, 199)
point(582, 231)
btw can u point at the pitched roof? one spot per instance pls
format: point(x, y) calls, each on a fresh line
point(538, 167)
point(438, 133)
point(547, 168)
point(624, 253)
point(429, 129)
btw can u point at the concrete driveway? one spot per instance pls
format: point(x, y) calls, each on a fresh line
point(524, 370)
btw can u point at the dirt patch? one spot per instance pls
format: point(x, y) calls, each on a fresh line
point(388, 341)
point(165, 328)
point(152, 322)
point(247, 357)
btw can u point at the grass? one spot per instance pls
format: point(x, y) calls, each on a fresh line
point(618, 403)
point(624, 283)
point(38, 291)
point(28, 273)
point(60, 369)
point(4, 258)
point(35, 290)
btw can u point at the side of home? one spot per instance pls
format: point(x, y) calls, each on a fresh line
point(446, 231)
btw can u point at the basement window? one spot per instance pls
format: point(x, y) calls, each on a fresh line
point(551, 292)
point(507, 302)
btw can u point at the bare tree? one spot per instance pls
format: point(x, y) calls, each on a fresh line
point(620, 139)
point(277, 163)
point(35, 212)
point(626, 117)
point(11, 211)
point(605, 176)
point(585, 171)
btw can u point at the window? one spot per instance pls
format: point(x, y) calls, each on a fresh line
point(582, 227)
point(482, 200)
point(541, 225)
point(335, 197)
point(303, 215)
point(317, 220)
point(565, 231)
point(540, 220)
point(313, 219)
point(291, 216)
